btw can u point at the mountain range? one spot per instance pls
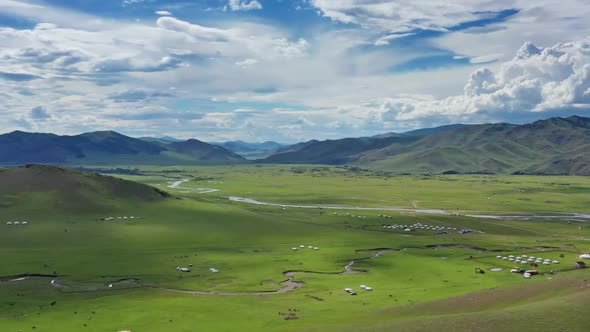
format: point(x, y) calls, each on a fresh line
point(552, 146)
point(250, 150)
point(107, 148)
point(422, 132)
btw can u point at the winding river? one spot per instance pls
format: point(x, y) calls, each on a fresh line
point(287, 286)
point(561, 216)
point(178, 184)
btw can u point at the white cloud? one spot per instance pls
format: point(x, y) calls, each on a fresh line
point(11, 4)
point(486, 58)
point(403, 16)
point(246, 63)
point(289, 49)
point(39, 113)
point(93, 72)
point(195, 30)
point(385, 39)
point(163, 13)
point(536, 80)
point(132, 2)
point(237, 5)
point(545, 22)
point(82, 68)
point(137, 95)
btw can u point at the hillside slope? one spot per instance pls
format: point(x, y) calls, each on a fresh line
point(552, 146)
point(334, 152)
point(250, 150)
point(50, 187)
point(422, 132)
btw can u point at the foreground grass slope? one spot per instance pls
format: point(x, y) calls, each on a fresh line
point(549, 305)
point(252, 245)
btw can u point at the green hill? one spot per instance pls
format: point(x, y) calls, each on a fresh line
point(193, 149)
point(41, 187)
point(422, 132)
point(250, 150)
point(334, 152)
point(552, 146)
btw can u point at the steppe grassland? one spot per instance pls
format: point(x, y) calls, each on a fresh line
point(252, 247)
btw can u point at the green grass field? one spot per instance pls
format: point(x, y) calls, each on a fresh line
point(426, 282)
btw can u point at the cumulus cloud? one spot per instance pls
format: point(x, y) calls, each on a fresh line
point(137, 95)
point(137, 64)
point(290, 49)
point(406, 15)
point(133, 2)
point(18, 77)
point(237, 5)
point(254, 79)
point(246, 63)
point(86, 66)
point(39, 113)
point(386, 39)
point(17, 4)
point(546, 22)
point(507, 23)
point(537, 79)
point(252, 39)
point(195, 30)
point(155, 114)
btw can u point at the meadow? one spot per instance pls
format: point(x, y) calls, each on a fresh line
point(421, 280)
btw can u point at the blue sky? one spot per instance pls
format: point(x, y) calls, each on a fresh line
point(288, 71)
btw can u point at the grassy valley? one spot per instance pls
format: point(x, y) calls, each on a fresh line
point(122, 273)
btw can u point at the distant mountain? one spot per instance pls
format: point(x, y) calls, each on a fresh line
point(60, 188)
point(250, 150)
point(106, 148)
point(204, 152)
point(295, 147)
point(413, 133)
point(332, 152)
point(422, 132)
point(553, 146)
point(164, 139)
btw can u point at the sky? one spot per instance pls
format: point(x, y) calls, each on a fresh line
point(288, 71)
